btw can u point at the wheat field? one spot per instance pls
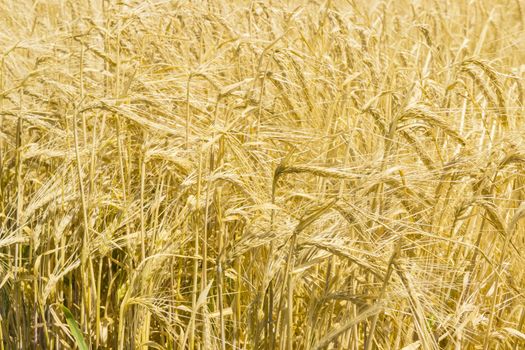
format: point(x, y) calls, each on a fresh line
point(235, 174)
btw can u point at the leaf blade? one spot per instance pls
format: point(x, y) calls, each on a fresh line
point(75, 329)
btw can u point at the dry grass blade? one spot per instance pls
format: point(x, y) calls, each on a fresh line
point(363, 315)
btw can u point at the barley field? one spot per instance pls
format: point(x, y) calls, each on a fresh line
point(345, 174)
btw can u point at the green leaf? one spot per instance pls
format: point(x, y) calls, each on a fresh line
point(75, 330)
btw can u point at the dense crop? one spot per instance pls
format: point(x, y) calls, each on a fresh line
point(262, 175)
